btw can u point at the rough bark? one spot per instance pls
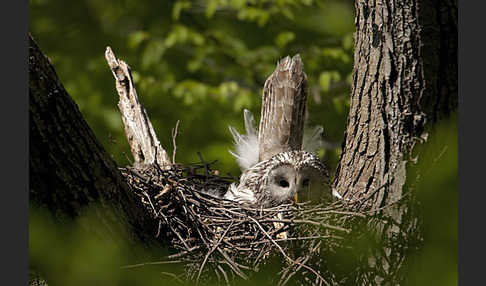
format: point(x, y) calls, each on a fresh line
point(404, 81)
point(70, 172)
point(283, 109)
point(405, 75)
point(144, 145)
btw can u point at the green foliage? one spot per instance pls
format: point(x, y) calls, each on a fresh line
point(434, 180)
point(83, 252)
point(201, 62)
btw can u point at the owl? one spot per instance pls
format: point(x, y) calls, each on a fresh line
point(279, 179)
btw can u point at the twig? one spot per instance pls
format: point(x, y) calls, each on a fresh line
point(232, 264)
point(174, 136)
point(211, 251)
point(206, 171)
point(176, 277)
point(285, 254)
point(224, 274)
point(295, 238)
point(150, 263)
point(308, 222)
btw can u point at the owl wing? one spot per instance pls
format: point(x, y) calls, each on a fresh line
point(246, 145)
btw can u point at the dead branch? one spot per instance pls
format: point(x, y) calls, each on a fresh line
point(174, 137)
point(144, 145)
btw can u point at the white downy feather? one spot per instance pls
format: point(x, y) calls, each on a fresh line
point(337, 195)
point(246, 145)
point(239, 195)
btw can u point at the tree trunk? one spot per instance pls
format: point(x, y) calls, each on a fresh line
point(404, 80)
point(70, 172)
point(405, 75)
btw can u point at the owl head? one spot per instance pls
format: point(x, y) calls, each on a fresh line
point(282, 177)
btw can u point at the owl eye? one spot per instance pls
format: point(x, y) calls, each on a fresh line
point(305, 182)
point(283, 183)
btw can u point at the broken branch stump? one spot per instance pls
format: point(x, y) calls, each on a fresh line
point(144, 145)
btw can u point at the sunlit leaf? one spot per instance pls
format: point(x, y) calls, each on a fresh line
point(284, 38)
point(180, 6)
point(136, 38)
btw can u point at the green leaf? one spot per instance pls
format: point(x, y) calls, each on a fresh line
point(228, 88)
point(244, 99)
point(179, 6)
point(136, 38)
point(211, 8)
point(325, 81)
point(336, 53)
point(326, 78)
point(284, 38)
point(153, 53)
point(288, 13)
point(348, 41)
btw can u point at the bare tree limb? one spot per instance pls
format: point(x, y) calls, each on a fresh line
point(145, 146)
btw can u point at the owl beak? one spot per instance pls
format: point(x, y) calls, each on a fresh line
point(296, 198)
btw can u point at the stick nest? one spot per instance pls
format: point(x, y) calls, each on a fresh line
point(221, 240)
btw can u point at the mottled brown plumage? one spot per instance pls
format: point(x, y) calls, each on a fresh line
point(283, 109)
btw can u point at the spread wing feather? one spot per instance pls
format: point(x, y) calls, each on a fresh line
point(246, 145)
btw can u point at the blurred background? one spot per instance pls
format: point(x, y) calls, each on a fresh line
point(202, 62)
